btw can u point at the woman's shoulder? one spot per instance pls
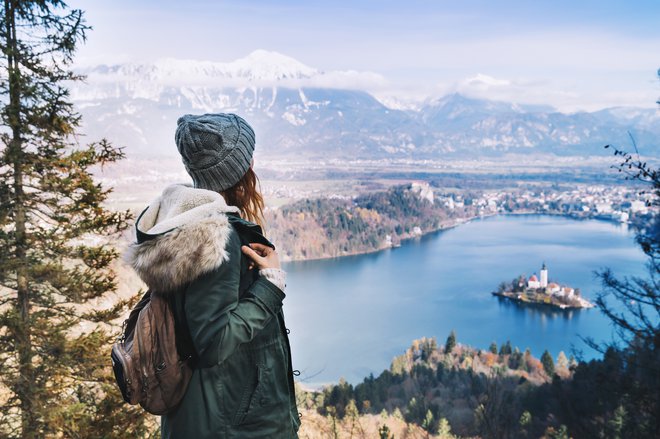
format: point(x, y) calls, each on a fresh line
point(179, 256)
point(247, 230)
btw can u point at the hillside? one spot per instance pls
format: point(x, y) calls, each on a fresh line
point(459, 391)
point(326, 227)
point(330, 227)
point(447, 390)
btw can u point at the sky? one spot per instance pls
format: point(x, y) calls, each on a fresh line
point(574, 55)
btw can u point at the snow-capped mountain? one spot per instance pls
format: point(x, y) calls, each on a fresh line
point(498, 126)
point(260, 65)
point(300, 111)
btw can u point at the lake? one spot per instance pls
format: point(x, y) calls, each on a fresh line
point(350, 316)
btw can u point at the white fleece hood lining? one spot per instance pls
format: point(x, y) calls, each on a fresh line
point(193, 230)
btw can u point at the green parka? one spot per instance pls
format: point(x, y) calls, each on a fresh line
point(189, 245)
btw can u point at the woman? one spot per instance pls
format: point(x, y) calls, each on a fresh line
point(191, 245)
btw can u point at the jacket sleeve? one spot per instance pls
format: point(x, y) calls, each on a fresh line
point(218, 321)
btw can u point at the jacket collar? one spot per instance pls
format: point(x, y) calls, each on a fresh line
point(249, 231)
point(179, 236)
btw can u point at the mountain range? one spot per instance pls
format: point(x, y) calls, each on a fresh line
point(302, 112)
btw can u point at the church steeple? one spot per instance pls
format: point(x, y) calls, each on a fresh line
point(544, 276)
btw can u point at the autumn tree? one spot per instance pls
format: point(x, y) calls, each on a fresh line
point(55, 378)
point(562, 361)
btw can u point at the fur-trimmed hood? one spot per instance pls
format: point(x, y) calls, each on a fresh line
point(179, 236)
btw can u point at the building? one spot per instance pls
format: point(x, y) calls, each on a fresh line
point(553, 288)
point(534, 282)
point(544, 276)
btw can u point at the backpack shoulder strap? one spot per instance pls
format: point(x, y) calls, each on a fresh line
point(184, 342)
point(248, 231)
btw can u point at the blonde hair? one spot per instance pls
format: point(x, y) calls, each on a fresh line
point(246, 195)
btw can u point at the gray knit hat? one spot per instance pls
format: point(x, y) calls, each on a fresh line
point(216, 148)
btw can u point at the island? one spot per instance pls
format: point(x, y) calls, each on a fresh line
point(540, 291)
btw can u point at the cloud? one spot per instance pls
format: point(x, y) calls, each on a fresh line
point(260, 68)
point(566, 96)
point(485, 82)
point(350, 79)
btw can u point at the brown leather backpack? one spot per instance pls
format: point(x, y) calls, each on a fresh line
point(152, 360)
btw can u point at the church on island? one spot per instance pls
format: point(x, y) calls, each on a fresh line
point(535, 290)
point(551, 288)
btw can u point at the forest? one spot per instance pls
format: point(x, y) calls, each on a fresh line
point(58, 246)
point(330, 227)
point(504, 393)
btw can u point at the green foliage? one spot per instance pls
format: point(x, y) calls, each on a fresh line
point(506, 348)
point(429, 423)
point(619, 395)
point(450, 344)
point(493, 348)
point(525, 419)
point(328, 227)
point(338, 398)
point(384, 432)
point(617, 423)
point(516, 360)
point(548, 363)
point(54, 377)
point(436, 388)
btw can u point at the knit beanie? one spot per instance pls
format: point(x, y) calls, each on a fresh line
point(216, 149)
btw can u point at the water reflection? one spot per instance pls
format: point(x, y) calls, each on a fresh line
point(538, 311)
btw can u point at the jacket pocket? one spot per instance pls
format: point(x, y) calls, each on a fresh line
point(251, 392)
point(265, 397)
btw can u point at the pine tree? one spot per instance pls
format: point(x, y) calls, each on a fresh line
point(384, 432)
point(450, 344)
point(55, 378)
point(428, 423)
point(493, 348)
point(548, 363)
point(506, 348)
point(516, 360)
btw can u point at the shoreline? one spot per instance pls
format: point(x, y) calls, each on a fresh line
point(402, 240)
point(560, 307)
point(451, 225)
